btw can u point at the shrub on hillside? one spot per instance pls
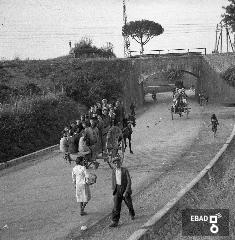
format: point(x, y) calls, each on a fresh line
point(4, 75)
point(41, 69)
point(6, 93)
point(90, 87)
point(229, 76)
point(36, 127)
point(85, 49)
point(29, 89)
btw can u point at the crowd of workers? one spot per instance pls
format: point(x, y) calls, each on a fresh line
point(98, 131)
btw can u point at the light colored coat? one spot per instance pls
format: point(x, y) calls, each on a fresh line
point(79, 175)
point(64, 144)
point(82, 147)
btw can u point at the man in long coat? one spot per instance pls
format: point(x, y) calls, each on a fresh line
point(121, 186)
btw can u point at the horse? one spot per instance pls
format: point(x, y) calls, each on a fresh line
point(127, 132)
point(131, 118)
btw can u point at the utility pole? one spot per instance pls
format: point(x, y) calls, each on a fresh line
point(216, 37)
point(227, 35)
point(126, 38)
point(219, 38)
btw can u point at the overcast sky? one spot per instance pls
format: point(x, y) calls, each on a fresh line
point(42, 28)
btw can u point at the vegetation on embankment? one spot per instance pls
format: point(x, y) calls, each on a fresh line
point(86, 81)
point(220, 195)
point(34, 123)
point(229, 76)
point(38, 98)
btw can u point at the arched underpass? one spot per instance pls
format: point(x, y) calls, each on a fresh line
point(207, 69)
point(159, 83)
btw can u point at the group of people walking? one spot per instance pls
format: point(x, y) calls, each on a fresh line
point(95, 132)
point(99, 131)
point(121, 188)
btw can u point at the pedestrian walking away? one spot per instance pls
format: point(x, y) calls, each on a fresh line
point(121, 186)
point(79, 175)
point(214, 123)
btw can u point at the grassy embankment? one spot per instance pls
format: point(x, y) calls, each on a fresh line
point(34, 123)
point(31, 119)
point(220, 194)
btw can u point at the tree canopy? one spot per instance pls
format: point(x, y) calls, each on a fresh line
point(229, 16)
point(142, 31)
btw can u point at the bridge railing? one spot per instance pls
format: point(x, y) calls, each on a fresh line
point(174, 52)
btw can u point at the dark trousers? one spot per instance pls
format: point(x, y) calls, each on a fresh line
point(117, 198)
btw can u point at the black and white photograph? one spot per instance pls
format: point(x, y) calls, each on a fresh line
point(117, 119)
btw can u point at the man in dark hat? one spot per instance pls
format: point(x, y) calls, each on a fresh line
point(121, 186)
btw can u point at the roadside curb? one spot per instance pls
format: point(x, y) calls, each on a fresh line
point(166, 223)
point(27, 157)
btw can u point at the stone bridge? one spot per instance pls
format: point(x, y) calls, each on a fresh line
point(154, 66)
point(206, 69)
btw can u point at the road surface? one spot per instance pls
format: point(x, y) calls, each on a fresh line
point(38, 198)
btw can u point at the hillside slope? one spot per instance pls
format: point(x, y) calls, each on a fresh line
point(213, 66)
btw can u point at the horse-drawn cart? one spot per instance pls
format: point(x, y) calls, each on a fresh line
point(179, 110)
point(180, 105)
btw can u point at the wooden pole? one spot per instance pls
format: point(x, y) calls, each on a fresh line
point(227, 36)
point(231, 44)
point(221, 39)
point(217, 47)
point(216, 38)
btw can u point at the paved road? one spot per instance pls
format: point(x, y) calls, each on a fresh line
point(38, 199)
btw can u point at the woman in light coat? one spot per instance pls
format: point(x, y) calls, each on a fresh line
point(79, 175)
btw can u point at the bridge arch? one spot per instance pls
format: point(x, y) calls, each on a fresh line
point(191, 73)
point(153, 66)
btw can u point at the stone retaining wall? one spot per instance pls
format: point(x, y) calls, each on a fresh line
point(166, 223)
point(28, 157)
point(211, 81)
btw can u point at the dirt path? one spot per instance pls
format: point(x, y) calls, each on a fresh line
point(38, 200)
